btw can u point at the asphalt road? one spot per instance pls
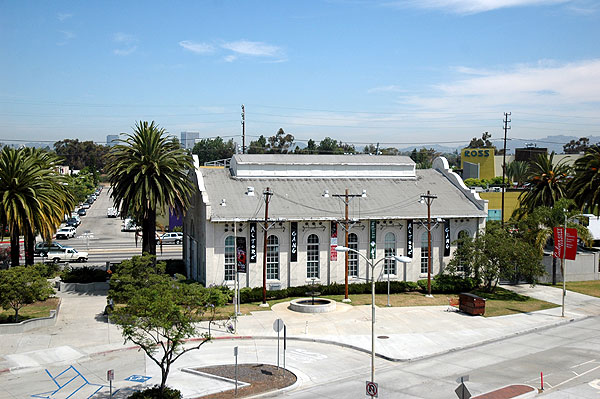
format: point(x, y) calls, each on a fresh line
point(103, 239)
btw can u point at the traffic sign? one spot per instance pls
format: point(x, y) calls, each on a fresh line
point(462, 392)
point(110, 375)
point(372, 389)
point(278, 325)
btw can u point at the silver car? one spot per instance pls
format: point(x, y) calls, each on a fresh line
point(170, 238)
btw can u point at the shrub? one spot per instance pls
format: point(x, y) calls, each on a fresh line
point(47, 270)
point(154, 393)
point(83, 275)
point(447, 284)
point(175, 266)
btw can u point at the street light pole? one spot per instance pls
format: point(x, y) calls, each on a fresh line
point(428, 199)
point(373, 265)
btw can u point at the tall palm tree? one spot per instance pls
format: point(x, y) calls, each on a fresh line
point(585, 186)
point(148, 171)
point(548, 183)
point(31, 199)
point(518, 171)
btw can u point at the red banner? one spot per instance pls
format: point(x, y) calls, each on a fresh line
point(559, 243)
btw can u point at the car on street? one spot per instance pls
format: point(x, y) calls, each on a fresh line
point(72, 222)
point(112, 212)
point(67, 255)
point(85, 206)
point(42, 248)
point(65, 232)
point(170, 238)
point(82, 212)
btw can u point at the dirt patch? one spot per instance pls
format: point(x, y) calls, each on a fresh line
point(261, 377)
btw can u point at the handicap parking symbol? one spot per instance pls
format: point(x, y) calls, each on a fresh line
point(137, 378)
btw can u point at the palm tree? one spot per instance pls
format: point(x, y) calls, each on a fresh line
point(548, 184)
point(585, 186)
point(518, 171)
point(148, 171)
point(31, 198)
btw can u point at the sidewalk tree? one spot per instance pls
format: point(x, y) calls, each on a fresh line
point(496, 254)
point(159, 317)
point(148, 171)
point(20, 286)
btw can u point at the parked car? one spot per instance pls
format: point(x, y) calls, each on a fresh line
point(170, 238)
point(112, 212)
point(67, 255)
point(42, 248)
point(82, 212)
point(72, 222)
point(129, 225)
point(65, 232)
point(85, 206)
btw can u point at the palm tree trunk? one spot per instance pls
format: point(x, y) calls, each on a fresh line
point(29, 244)
point(149, 233)
point(14, 246)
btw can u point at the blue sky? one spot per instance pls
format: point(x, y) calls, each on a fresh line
point(398, 72)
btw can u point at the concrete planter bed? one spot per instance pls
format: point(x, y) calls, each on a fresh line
point(26, 325)
point(84, 287)
point(309, 305)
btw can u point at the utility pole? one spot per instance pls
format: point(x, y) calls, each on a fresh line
point(346, 198)
point(428, 199)
point(506, 128)
point(243, 130)
point(267, 193)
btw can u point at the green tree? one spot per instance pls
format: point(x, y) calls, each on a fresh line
point(159, 318)
point(496, 254)
point(311, 148)
point(577, 146)
point(20, 286)
point(483, 142)
point(33, 197)
point(548, 183)
point(148, 171)
point(80, 154)
point(213, 149)
point(280, 143)
point(259, 146)
point(585, 186)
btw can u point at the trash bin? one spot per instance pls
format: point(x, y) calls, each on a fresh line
point(471, 304)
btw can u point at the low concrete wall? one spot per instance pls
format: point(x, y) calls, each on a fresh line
point(17, 328)
point(585, 267)
point(84, 287)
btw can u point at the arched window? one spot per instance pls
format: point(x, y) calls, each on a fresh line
point(312, 257)
point(229, 258)
point(273, 258)
point(352, 256)
point(424, 253)
point(461, 236)
point(389, 265)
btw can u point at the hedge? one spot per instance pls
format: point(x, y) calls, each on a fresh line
point(154, 393)
point(84, 274)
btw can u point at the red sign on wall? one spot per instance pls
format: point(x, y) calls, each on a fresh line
point(559, 243)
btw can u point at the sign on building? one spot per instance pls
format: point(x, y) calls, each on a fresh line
point(293, 241)
point(252, 256)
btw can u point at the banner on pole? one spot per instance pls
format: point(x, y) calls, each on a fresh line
point(293, 241)
point(372, 239)
point(241, 255)
point(560, 242)
point(409, 238)
point(446, 238)
point(334, 241)
point(253, 243)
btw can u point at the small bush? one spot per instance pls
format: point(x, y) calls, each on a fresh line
point(175, 266)
point(447, 284)
point(83, 275)
point(47, 270)
point(154, 393)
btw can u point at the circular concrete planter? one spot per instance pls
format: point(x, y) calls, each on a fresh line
point(305, 305)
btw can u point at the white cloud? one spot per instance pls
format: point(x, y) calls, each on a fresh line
point(472, 6)
point(121, 37)
point(63, 16)
point(386, 89)
point(258, 49)
point(198, 48)
point(67, 36)
point(230, 58)
point(125, 51)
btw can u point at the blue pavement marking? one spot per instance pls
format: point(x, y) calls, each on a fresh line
point(70, 382)
point(137, 378)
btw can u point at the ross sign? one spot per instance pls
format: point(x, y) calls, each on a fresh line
point(476, 153)
point(559, 243)
point(409, 238)
point(241, 254)
point(372, 389)
point(372, 239)
point(446, 237)
point(334, 241)
point(293, 241)
point(110, 375)
point(252, 255)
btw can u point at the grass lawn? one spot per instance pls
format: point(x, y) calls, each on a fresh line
point(502, 302)
point(591, 288)
point(37, 309)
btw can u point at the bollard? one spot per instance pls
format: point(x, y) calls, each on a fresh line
point(542, 380)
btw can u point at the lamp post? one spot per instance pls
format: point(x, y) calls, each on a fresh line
point(373, 265)
point(562, 261)
point(428, 199)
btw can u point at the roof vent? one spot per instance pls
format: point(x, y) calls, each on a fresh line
point(250, 191)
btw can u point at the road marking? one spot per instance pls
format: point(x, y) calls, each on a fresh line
point(304, 356)
point(572, 378)
point(595, 384)
point(581, 364)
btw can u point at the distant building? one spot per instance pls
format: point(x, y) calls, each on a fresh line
point(111, 139)
point(188, 139)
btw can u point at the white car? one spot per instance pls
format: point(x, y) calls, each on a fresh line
point(66, 233)
point(67, 255)
point(170, 238)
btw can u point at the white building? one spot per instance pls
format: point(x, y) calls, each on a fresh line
point(305, 218)
point(188, 139)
